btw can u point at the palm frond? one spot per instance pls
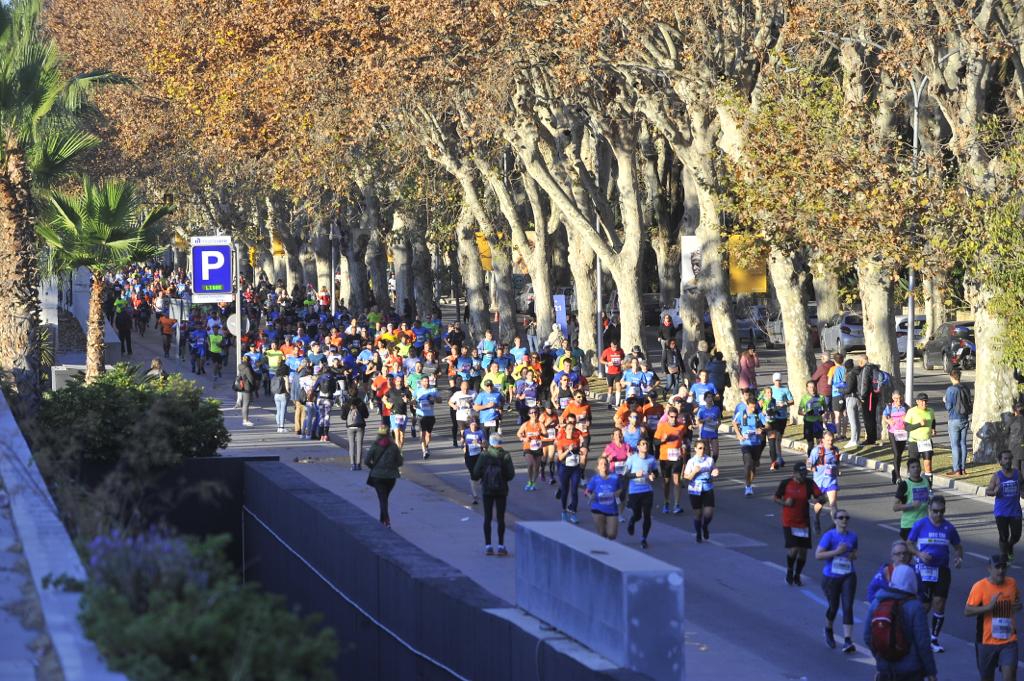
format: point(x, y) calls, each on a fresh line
point(79, 89)
point(51, 156)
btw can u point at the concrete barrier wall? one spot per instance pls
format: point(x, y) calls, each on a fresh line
point(49, 552)
point(399, 613)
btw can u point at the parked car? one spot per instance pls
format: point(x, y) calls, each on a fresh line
point(842, 333)
point(651, 307)
point(776, 329)
point(901, 333)
point(951, 345)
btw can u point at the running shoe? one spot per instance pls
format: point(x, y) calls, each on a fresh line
point(528, 487)
point(936, 646)
point(631, 527)
point(748, 491)
point(426, 455)
point(848, 647)
point(476, 501)
point(565, 516)
point(797, 581)
point(774, 466)
point(830, 639)
point(573, 519)
point(643, 544)
point(551, 481)
point(502, 551)
point(677, 510)
point(789, 578)
point(664, 509)
point(895, 477)
point(488, 550)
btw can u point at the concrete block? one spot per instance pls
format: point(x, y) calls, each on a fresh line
point(623, 603)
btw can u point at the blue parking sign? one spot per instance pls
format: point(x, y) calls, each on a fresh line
point(211, 263)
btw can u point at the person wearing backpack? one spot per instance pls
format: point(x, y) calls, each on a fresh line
point(494, 470)
point(896, 631)
point(959, 403)
point(850, 392)
point(354, 413)
point(995, 602)
point(870, 389)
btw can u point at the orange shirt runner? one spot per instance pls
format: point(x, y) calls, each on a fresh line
point(672, 439)
point(532, 435)
point(998, 627)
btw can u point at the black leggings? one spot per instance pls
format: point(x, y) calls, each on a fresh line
point(1009, 532)
point(641, 504)
point(383, 487)
point(490, 504)
point(898, 448)
point(840, 589)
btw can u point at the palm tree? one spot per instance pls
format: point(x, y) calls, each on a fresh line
point(40, 112)
point(102, 228)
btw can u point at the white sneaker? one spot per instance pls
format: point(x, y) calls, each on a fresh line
point(851, 445)
point(248, 424)
point(748, 491)
point(937, 647)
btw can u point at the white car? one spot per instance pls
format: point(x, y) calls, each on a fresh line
point(901, 333)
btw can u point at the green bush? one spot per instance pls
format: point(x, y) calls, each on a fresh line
point(162, 609)
point(103, 447)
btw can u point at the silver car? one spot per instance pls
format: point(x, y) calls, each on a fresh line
point(842, 333)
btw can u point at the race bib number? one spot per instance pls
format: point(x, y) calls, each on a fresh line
point(899, 435)
point(397, 420)
point(531, 402)
point(921, 494)
point(552, 432)
point(573, 459)
point(474, 448)
point(800, 532)
point(490, 424)
point(841, 565)
point(632, 391)
point(563, 402)
point(673, 454)
point(462, 414)
point(534, 444)
point(620, 466)
point(929, 573)
point(1002, 627)
point(924, 446)
point(606, 498)
point(616, 361)
point(583, 426)
point(652, 421)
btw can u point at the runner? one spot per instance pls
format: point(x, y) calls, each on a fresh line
point(1006, 488)
point(488, 404)
point(918, 661)
point(671, 440)
point(472, 446)
point(793, 495)
point(920, 420)
point(581, 410)
point(531, 434)
point(912, 497)
point(641, 470)
point(215, 344)
point(995, 602)
point(526, 392)
point(930, 540)
point(602, 489)
point(460, 404)
point(612, 359)
point(567, 448)
point(397, 400)
point(812, 408)
point(494, 469)
point(838, 548)
point(779, 418)
point(549, 419)
point(893, 421)
point(634, 431)
point(824, 464)
point(700, 472)
point(750, 428)
point(425, 396)
point(709, 416)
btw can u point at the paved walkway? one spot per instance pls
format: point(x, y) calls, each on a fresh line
point(741, 616)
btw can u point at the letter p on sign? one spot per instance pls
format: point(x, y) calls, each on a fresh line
point(210, 260)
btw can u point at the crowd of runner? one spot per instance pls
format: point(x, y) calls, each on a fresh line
point(533, 398)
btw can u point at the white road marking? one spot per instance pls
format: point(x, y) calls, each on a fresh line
point(774, 565)
point(977, 555)
point(814, 597)
point(889, 526)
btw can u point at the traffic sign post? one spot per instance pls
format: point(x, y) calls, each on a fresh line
point(212, 269)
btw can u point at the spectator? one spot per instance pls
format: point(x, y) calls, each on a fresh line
point(919, 662)
point(385, 462)
point(959, 403)
point(822, 378)
point(868, 399)
point(749, 363)
point(494, 470)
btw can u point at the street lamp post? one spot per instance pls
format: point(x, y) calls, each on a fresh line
point(917, 90)
point(334, 267)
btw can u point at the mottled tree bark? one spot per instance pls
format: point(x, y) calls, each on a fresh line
point(788, 273)
point(876, 295)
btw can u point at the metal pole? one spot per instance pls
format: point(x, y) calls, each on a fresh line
point(600, 330)
point(238, 308)
point(908, 395)
point(334, 282)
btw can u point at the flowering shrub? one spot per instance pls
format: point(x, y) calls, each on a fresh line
point(161, 608)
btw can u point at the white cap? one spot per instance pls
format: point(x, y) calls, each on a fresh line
point(904, 579)
point(776, 376)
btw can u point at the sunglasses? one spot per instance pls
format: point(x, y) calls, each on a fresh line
point(937, 510)
point(842, 517)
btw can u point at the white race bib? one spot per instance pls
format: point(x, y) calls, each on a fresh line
point(462, 414)
point(474, 449)
point(552, 432)
point(899, 435)
point(572, 459)
point(673, 454)
point(563, 402)
point(534, 445)
point(397, 420)
point(800, 532)
point(929, 573)
point(924, 446)
point(490, 424)
point(531, 402)
point(620, 466)
point(1002, 627)
point(583, 426)
point(606, 498)
point(841, 565)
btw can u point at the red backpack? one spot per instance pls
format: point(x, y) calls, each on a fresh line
point(888, 640)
